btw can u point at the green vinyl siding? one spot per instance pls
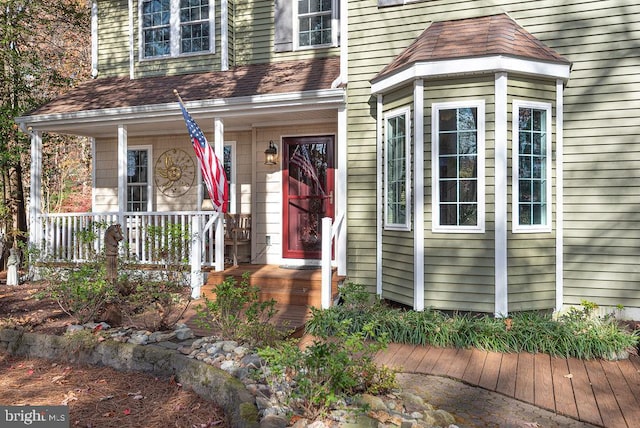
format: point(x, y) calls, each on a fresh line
point(113, 37)
point(459, 267)
point(397, 246)
point(531, 257)
point(601, 151)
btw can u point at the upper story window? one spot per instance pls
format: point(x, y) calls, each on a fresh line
point(315, 19)
point(531, 167)
point(458, 166)
point(397, 168)
point(176, 27)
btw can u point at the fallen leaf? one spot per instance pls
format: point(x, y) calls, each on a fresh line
point(101, 381)
point(30, 372)
point(106, 397)
point(569, 376)
point(126, 411)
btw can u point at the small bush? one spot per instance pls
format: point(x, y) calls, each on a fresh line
point(318, 378)
point(237, 313)
point(80, 290)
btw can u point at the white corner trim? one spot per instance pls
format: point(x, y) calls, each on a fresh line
point(94, 39)
point(379, 220)
point(224, 35)
point(418, 205)
point(122, 172)
point(560, 194)
point(501, 120)
point(457, 67)
point(132, 58)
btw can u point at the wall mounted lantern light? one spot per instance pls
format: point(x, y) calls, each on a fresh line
point(271, 154)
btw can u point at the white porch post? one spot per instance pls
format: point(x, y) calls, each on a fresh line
point(122, 173)
point(196, 279)
point(325, 292)
point(218, 148)
point(379, 191)
point(35, 193)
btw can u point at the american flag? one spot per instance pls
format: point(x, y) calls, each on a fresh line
point(302, 160)
point(212, 170)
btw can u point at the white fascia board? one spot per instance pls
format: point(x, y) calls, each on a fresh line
point(311, 100)
point(464, 66)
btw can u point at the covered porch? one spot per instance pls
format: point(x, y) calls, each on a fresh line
point(146, 177)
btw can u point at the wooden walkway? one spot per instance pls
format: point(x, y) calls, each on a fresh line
point(604, 393)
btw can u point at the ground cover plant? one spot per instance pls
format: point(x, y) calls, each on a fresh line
point(579, 332)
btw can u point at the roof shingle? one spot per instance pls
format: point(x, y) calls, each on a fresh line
point(473, 37)
point(250, 80)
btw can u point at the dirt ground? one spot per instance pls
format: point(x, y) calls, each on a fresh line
point(97, 396)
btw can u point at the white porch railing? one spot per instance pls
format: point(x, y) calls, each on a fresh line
point(151, 238)
point(329, 231)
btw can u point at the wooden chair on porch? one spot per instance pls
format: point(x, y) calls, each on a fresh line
point(237, 233)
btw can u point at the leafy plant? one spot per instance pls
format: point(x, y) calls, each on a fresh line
point(80, 290)
point(578, 333)
point(237, 313)
point(153, 305)
point(318, 378)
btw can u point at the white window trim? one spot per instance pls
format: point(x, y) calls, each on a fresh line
point(406, 112)
point(150, 180)
point(232, 180)
point(335, 22)
point(515, 183)
point(435, 187)
point(174, 24)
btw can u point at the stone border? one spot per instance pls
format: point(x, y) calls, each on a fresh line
point(207, 381)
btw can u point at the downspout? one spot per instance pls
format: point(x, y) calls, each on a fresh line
point(94, 39)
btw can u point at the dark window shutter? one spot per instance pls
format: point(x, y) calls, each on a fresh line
point(284, 25)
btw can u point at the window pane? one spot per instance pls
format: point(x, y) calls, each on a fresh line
point(532, 166)
point(458, 166)
point(314, 22)
point(396, 171)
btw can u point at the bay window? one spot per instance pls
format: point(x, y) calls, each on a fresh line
point(531, 166)
point(458, 166)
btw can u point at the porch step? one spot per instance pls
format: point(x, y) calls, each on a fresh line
point(301, 287)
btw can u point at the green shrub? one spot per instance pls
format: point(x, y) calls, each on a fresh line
point(578, 333)
point(237, 313)
point(328, 371)
point(80, 290)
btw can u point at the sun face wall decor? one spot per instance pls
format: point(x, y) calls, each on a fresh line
point(175, 172)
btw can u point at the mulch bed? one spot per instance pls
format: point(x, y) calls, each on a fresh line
point(96, 396)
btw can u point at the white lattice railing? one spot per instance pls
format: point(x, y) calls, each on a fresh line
point(154, 238)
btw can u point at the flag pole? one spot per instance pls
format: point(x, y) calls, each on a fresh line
point(175, 92)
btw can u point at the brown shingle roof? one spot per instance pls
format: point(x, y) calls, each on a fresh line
point(474, 37)
point(258, 79)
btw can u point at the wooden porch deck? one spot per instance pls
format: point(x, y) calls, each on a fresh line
point(603, 393)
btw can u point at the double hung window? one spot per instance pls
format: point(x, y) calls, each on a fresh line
point(315, 23)
point(138, 179)
point(458, 167)
point(228, 164)
point(531, 166)
point(397, 168)
point(176, 27)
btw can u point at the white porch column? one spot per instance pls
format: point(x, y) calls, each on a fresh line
point(196, 279)
point(218, 148)
point(122, 173)
point(35, 192)
point(501, 282)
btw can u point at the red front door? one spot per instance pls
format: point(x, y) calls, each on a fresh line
point(308, 193)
